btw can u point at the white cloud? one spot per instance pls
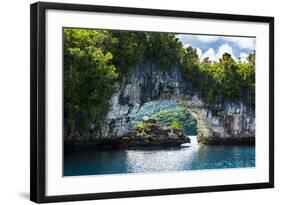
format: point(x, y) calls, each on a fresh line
point(243, 42)
point(218, 45)
point(207, 39)
point(225, 48)
point(243, 56)
point(215, 56)
point(210, 53)
point(199, 52)
point(186, 45)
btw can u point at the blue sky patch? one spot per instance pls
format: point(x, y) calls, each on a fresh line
point(214, 46)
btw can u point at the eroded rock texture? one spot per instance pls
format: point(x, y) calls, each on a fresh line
point(221, 123)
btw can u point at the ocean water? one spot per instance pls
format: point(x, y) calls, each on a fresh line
point(191, 157)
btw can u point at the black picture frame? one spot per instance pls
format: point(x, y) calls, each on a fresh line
point(38, 101)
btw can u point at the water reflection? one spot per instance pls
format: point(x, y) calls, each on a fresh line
point(157, 161)
point(193, 157)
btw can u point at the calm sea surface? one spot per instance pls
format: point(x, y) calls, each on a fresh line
point(194, 157)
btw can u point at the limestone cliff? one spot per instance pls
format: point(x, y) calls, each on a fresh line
point(221, 123)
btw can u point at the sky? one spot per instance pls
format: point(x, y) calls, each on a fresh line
point(215, 46)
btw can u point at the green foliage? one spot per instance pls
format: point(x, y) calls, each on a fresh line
point(95, 59)
point(176, 124)
point(223, 80)
point(176, 117)
point(127, 48)
point(131, 47)
point(164, 48)
point(88, 78)
point(190, 60)
point(139, 125)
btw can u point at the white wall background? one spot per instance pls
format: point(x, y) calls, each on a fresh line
point(14, 100)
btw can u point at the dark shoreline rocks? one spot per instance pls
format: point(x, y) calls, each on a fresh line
point(119, 143)
point(70, 146)
point(149, 134)
point(227, 141)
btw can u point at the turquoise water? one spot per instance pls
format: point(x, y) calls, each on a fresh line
point(194, 157)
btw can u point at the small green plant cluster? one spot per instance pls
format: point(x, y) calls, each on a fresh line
point(176, 124)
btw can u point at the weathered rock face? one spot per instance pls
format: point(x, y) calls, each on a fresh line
point(232, 123)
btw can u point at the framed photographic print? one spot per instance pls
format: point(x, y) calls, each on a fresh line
point(129, 102)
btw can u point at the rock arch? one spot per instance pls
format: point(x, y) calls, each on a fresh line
point(233, 124)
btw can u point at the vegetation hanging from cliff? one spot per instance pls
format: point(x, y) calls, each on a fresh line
point(88, 78)
point(95, 59)
point(93, 62)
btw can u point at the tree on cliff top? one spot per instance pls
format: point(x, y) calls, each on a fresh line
point(88, 78)
point(224, 80)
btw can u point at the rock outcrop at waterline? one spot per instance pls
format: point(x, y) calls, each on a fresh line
point(151, 134)
point(231, 123)
point(148, 134)
point(234, 124)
